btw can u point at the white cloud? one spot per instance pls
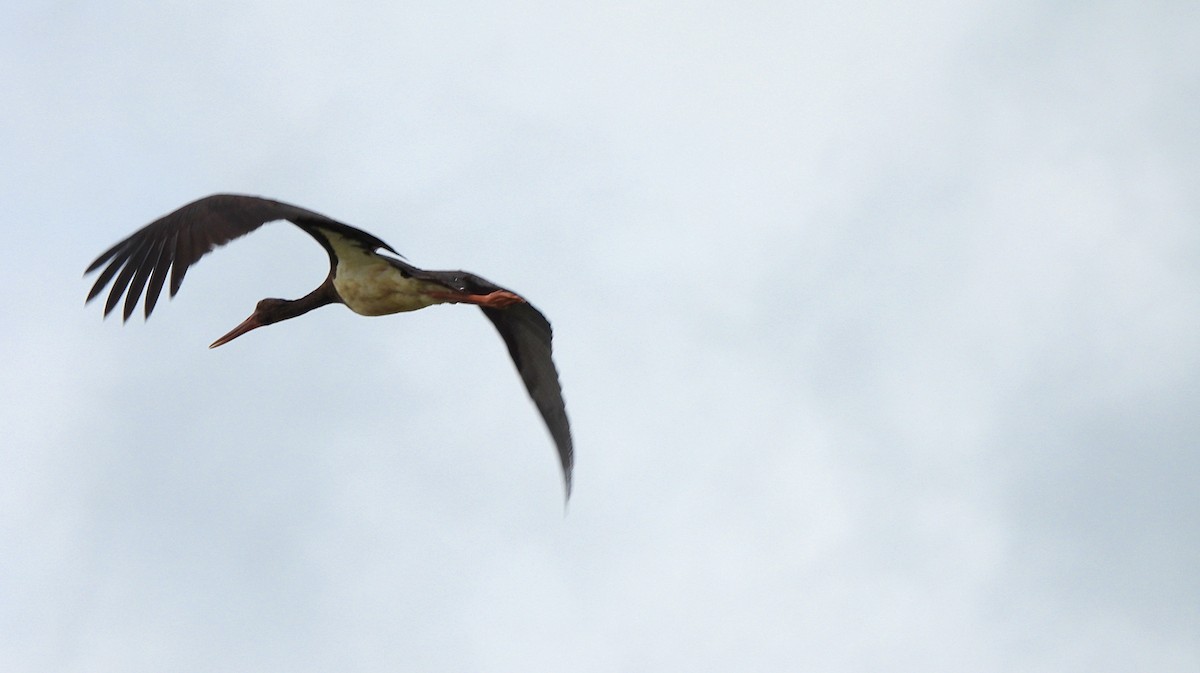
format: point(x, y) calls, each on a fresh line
point(876, 325)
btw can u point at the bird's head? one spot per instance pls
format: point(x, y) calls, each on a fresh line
point(266, 312)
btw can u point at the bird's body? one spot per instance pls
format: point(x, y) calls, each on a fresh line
point(371, 285)
point(367, 282)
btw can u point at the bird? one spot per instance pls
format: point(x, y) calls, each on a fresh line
point(363, 279)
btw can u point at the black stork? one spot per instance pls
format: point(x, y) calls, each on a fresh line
point(366, 281)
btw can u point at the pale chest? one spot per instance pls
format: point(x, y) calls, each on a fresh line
point(375, 287)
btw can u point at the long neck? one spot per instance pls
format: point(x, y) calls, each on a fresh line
point(324, 294)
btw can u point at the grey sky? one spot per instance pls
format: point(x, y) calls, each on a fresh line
point(879, 329)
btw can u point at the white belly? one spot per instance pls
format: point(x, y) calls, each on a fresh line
point(374, 287)
point(369, 285)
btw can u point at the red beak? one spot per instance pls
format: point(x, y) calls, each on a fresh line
point(248, 324)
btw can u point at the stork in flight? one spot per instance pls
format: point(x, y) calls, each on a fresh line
point(367, 282)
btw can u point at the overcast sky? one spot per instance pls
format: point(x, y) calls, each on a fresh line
point(878, 325)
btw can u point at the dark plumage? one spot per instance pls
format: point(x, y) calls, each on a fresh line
point(359, 277)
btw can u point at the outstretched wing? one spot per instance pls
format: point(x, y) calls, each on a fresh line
point(178, 240)
point(528, 336)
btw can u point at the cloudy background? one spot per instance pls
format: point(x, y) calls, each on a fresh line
point(878, 323)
